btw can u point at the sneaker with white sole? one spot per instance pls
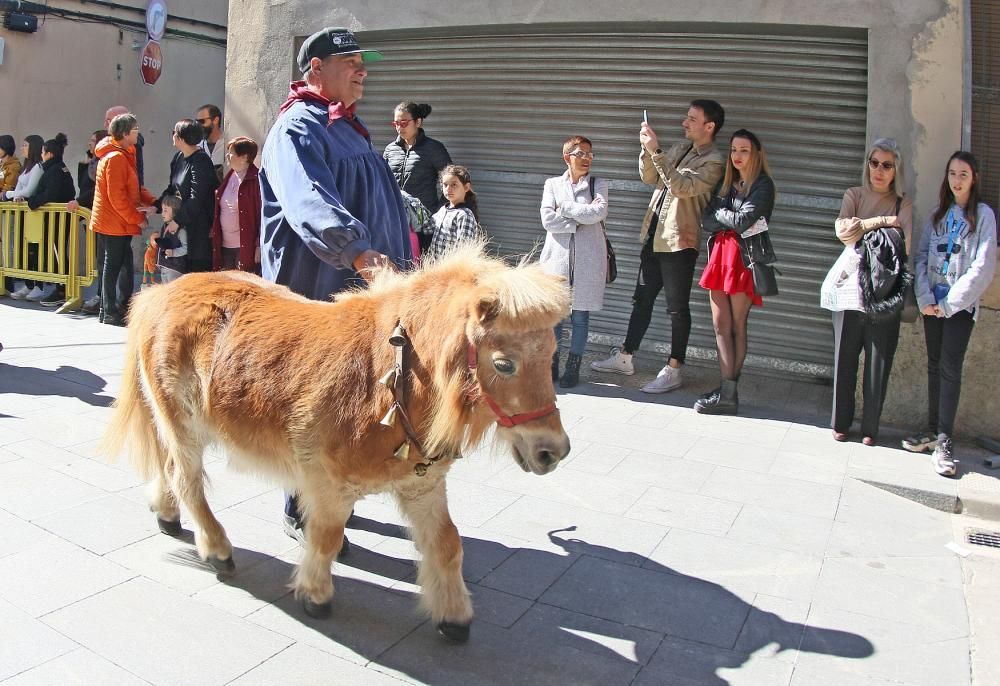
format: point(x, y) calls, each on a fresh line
point(618, 363)
point(21, 293)
point(92, 306)
point(35, 294)
point(667, 380)
point(923, 442)
point(941, 458)
point(56, 297)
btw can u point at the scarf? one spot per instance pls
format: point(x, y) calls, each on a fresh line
point(299, 92)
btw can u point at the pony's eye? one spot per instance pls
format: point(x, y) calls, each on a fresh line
point(504, 366)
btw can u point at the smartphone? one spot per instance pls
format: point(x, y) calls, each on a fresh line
point(645, 119)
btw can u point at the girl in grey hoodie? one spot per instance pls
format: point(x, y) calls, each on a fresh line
point(955, 262)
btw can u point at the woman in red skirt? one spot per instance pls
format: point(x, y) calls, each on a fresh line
point(745, 197)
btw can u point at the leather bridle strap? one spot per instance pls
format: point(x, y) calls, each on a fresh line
point(504, 419)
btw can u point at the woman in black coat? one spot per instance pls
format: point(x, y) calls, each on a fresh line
point(193, 180)
point(416, 160)
point(54, 186)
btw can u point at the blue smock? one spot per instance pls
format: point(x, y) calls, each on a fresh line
point(327, 195)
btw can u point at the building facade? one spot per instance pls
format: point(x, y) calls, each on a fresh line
point(816, 81)
point(85, 57)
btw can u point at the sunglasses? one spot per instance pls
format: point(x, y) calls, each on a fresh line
point(402, 122)
point(582, 155)
point(874, 164)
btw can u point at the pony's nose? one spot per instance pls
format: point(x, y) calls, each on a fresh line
point(550, 455)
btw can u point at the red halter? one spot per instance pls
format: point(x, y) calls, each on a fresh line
point(504, 419)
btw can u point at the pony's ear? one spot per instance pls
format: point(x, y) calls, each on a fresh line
point(485, 306)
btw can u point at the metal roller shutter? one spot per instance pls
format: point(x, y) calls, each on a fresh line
point(504, 100)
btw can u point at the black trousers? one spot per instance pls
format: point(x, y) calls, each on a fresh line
point(673, 273)
point(99, 254)
point(947, 340)
point(118, 273)
point(853, 333)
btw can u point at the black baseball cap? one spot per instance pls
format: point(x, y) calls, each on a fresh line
point(333, 40)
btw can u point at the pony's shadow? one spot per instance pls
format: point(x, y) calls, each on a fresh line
point(66, 381)
point(584, 614)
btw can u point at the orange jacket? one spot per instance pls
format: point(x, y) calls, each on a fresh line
point(118, 195)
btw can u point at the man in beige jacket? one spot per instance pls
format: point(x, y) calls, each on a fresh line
point(685, 176)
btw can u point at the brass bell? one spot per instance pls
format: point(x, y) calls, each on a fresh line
point(398, 337)
point(390, 417)
point(402, 452)
point(389, 379)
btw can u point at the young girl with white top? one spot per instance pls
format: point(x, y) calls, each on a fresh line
point(574, 207)
point(955, 262)
point(458, 219)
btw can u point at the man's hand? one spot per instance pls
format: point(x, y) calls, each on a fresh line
point(72, 206)
point(370, 261)
point(648, 139)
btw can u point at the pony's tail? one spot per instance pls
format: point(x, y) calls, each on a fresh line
point(132, 422)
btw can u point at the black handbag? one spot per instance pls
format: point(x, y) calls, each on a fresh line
point(612, 272)
point(760, 258)
point(765, 283)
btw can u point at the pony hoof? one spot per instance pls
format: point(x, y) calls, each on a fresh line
point(456, 633)
point(318, 610)
point(223, 567)
point(345, 549)
point(170, 527)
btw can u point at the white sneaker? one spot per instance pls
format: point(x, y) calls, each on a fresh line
point(942, 459)
point(618, 363)
point(21, 293)
point(668, 379)
point(35, 295)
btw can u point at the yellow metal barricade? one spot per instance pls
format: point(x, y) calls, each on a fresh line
point(66, 250)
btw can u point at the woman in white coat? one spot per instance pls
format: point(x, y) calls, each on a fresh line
point(574, 207)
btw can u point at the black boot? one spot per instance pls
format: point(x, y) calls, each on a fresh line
point(726, 402)
point(571, 375)
point(555, 366)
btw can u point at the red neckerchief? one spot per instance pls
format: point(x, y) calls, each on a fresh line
point(299, 92)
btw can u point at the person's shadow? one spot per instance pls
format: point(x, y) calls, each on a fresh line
point(589, 614)
point(66, 381)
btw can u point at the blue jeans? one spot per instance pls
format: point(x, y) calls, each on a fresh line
point(580, 321)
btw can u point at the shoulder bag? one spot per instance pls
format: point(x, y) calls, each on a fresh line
point(756, 242)
point(612, 272)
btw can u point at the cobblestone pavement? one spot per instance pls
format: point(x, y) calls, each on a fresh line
point(669, 548)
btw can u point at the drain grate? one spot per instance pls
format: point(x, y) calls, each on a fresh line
point(990, 539)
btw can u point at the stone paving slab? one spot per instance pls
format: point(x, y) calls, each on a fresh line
point(669, 548)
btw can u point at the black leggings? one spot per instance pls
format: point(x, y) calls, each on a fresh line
point(947, 340)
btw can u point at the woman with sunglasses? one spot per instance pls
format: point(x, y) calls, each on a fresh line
point(955, 263)
point(574, 207)
point(880, 202)
point(416, 160)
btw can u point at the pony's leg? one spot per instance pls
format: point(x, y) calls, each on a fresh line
point(188, 481)
point(440, 573)
point(326, 508)
point(163, 503)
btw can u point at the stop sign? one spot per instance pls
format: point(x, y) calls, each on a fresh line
point(151, 62)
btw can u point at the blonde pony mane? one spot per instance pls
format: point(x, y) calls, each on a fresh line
point(438, 302)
